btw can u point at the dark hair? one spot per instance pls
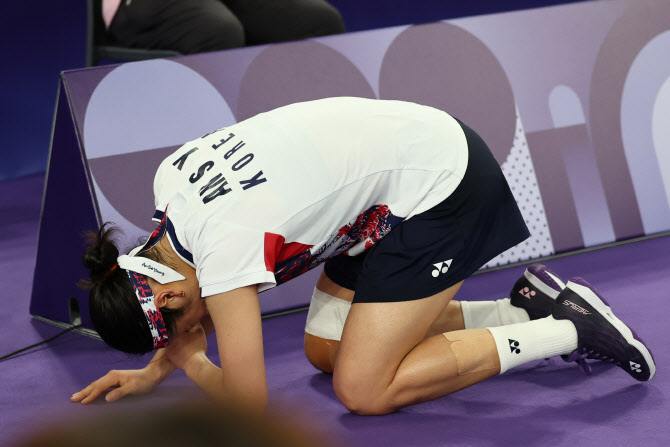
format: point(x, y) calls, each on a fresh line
point(115, 311)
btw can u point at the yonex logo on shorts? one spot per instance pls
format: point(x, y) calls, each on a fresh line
point(635, 367)
point(579, 309)
point(441, 267)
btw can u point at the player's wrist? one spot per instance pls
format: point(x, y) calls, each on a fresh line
point(154, 372)
point(159, 369)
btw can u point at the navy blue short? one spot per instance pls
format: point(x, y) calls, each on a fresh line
point(438, 248)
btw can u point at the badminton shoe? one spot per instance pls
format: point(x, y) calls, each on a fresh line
point(600, 334)
point(536, 291)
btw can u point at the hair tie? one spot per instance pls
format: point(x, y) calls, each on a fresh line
point(111, 270)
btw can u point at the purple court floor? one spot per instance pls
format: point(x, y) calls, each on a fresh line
point(544, 403)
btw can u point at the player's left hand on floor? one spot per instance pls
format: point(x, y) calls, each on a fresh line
point(138, 381)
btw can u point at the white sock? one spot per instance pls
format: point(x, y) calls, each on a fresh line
point(534, 340)
point(484, 314)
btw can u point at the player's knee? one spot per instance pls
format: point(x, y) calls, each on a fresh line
point(320, 352)
point(358, 396)
point(326, 316)
point(345, 390)
point(323, 329)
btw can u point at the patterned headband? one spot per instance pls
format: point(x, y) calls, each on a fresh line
point(139, 267)
point(154, 317)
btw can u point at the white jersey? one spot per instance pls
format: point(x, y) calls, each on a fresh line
point(271, 197)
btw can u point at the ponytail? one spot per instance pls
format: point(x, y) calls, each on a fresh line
point(116, 314)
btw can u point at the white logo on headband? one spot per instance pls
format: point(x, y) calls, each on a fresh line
point(144, 266)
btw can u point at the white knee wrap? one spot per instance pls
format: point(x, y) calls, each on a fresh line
point(326, 316)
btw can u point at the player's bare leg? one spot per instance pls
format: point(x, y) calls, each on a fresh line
point(532, 298)
point(385, 361)
point(322, 351)
point(401, 366)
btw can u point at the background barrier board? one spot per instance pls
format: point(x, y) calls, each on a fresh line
point(574, 102)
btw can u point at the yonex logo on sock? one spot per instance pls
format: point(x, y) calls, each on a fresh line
point(635, 367)
point(514, 346)
point(577, 308)
point(527, 292)
point(441, 267)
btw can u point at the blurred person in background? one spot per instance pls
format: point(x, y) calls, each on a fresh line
point(178, 424)
point(196, 26)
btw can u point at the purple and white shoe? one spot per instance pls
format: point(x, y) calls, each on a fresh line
point(536, 291)
point(600, 334)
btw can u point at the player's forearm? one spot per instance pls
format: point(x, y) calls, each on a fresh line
point(160, 367)
point(206, 375)
point(209, 378)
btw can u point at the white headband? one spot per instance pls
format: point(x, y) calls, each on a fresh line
point(147, 267)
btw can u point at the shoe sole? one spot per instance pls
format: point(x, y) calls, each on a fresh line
point(606, 312)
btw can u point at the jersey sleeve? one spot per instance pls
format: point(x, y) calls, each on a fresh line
point(231, 257)
point(159, 205)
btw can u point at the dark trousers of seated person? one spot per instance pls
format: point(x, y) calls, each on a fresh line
point(194, 26)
